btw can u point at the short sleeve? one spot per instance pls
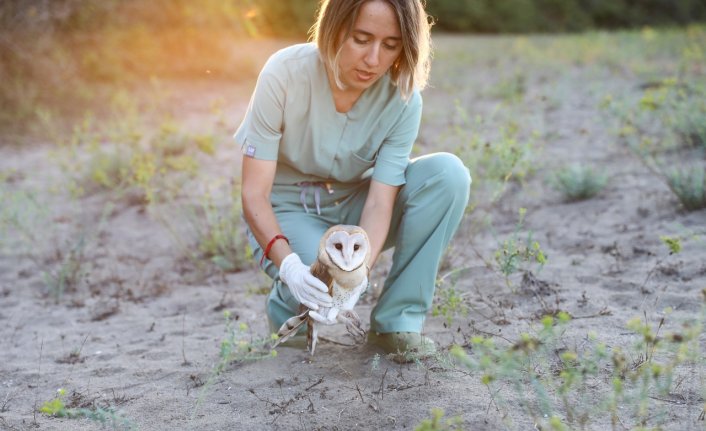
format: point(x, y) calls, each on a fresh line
point(260, 132)
point(393, 156)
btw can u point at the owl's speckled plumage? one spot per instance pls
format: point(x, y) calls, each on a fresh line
point(342, 265)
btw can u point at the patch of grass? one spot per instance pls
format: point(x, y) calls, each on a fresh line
point(438, 423)
point(108, 168)
point(495, 158)
point(594, 385)
point(27, 226)
point(105, 416)
point(578, 182)
point(514, 253)
point(238, 346)
point(511, 89)
point(448, 302)
point(667, 125)
point(72, 267)
point(220, 234)
point(689, 185)
point(129, 157)
point(215, 231)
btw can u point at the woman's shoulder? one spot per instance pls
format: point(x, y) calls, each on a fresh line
point(294, 59)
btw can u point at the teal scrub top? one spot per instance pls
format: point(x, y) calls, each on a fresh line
point(292, 119)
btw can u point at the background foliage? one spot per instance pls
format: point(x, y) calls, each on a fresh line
point(493, 16)
point(48, 49)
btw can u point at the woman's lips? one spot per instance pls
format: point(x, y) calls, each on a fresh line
point(362, 75)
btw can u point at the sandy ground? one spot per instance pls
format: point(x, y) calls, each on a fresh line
point(141, 332)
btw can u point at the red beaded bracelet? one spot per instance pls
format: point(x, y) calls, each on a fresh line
point(269, 246)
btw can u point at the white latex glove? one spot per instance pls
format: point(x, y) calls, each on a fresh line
point(307, 289)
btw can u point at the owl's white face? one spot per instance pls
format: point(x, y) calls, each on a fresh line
point(348, 251)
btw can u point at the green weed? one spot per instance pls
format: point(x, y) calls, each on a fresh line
point(71, 269)
point(215, 233)
point(238, 346)
point(73, 261)
point(689, 185)
point(438, 423)
point(221, 236)
point(515, 253)
point(511, 89)
point(108, 168)
point(668, 121)
point(105, 416)
point(495, 159)
point(448, 302)
point(578, 182)
point(19, 213)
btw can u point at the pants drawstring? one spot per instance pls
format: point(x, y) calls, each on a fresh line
point(306, 187)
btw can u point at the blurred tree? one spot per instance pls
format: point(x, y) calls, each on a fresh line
point(286, 18)
point(490, 16)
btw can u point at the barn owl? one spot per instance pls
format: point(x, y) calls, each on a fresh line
point(343, 265)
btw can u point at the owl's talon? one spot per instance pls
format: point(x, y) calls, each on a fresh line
point(352, 322)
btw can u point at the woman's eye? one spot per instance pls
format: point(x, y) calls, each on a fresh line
point(360, 41)
point(390, 47)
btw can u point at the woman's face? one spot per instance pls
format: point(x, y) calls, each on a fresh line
point(373, 46)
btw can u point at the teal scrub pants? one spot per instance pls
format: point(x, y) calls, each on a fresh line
point(427, 212)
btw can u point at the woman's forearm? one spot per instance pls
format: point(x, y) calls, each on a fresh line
point(376, 217)
point(261, 219)
point(257, 179)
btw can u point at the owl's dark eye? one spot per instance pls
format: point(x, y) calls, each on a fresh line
point(338, 246)
point(356, 247)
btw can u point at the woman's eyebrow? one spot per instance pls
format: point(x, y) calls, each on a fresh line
point(366, 33)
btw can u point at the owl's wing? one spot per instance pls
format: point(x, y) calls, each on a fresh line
point(290, 327)
point(320, 271)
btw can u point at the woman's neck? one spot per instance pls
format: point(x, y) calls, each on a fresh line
point(343, 99)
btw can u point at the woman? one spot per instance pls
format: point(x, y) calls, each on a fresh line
point(326, 140)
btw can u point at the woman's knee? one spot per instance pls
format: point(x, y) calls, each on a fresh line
point(452, 175)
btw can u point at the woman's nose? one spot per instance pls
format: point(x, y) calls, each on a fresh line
point(372, 57)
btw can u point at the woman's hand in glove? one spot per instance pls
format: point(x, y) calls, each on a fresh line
point(307, 289)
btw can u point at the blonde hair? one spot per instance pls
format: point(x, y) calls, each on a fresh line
point(411, 69)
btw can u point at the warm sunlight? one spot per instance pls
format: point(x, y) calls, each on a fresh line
point(208, 222)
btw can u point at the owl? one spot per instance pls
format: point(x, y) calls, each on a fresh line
point(343, 265)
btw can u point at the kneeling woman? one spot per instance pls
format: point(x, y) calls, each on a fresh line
point(326, 140)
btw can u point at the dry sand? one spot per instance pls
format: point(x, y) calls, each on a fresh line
point(141, 332)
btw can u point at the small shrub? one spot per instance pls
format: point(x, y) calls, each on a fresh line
point(690, 125)
point(221, 237)
point(689, 185)
point(214, 231)
point(448, 301)
point(578, 182)
point(494, 158)
point(514, 253)
point(107, 169)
